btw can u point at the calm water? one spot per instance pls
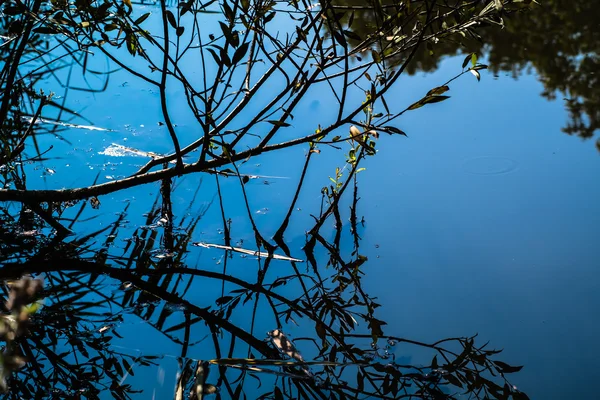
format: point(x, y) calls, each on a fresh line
point(483, 221)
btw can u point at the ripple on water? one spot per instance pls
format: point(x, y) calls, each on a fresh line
point(489, 165)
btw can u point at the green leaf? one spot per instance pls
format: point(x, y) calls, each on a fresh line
point(466, 60)
point(110, 27)
point(453, 380)
point(128, 367)
point(376, 56)
point(33, 307)
point(171, 19)
point(228, 12)
point(228, 34)
point(131, 45)
point(340, 39)
point(393, 129)
point(438, 90)
point(225, 58)
point(352, 35)
point(434, 99)
point(215, 56)
point(141, 19)
point(240, 52)
point(427, 100)
point(505, 368)
point(185, 7)
point(320, 327)
point(223, 300)
point(278, 123)
point(473, 59)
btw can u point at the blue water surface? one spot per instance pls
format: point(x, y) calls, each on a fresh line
point(484, 220)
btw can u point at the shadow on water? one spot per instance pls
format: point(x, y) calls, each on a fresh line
point(143, 311)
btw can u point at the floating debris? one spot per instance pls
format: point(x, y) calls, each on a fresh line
point(261, 254)
point(66, 124)
point(29, 233)
point(117, 150)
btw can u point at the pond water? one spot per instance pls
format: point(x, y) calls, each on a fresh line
point(483, 221)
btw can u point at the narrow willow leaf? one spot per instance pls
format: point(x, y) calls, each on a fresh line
point(215, 56)
point(340, 39)
point(505, 368)
point(141, 19)
point(278, 123)
point(427, 100)
point(393, 129)
point(376, 56)
point(240, 52)
point(438, 90)
point(171, 19)
point(435, 99)
point(352, 35)
point(466, 60)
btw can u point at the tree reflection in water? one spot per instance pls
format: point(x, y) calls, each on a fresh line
point(560, 39)
point(96, 282)
point(93, 283)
